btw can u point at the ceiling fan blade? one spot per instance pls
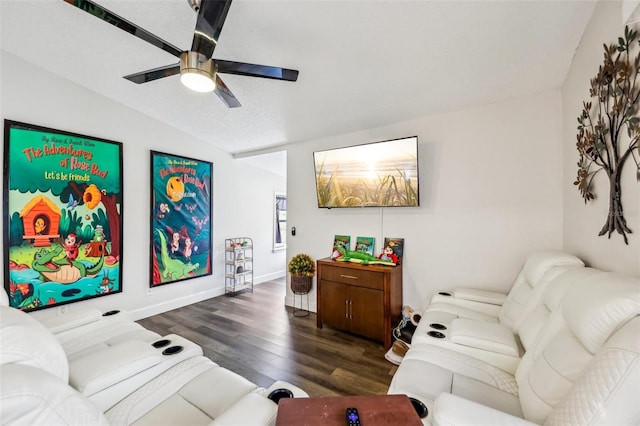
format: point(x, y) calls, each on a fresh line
point(225, 94)
point(117, 21)
point(154, 74)
point(253, 70)
point(211, 17)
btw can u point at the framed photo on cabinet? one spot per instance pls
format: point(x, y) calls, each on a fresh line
point(365, 244)
point(393, 249)
point(340, 243)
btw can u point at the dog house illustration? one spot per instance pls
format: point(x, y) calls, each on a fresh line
point(96, 249)
point(41, 220)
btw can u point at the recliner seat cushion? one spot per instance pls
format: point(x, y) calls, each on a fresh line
point(196, 389)
point(424, 362)
point(98, 371)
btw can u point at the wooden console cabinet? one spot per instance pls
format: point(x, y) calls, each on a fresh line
point(362, 299)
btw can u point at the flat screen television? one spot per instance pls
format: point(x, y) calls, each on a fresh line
point(379, 174)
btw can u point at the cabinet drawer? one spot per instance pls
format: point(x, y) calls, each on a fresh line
point(357, 277)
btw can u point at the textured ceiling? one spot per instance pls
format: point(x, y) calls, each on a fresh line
point(362, 64)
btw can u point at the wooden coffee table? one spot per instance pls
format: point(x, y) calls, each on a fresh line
point(374, 410)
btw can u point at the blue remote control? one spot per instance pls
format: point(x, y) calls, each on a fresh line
point(353, 419)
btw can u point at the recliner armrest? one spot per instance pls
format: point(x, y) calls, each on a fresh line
point(99, 370)
point(251, 409)
point(492, 337)
point(482, 296)
point(488, 302)
point(452, 410)
point(71, 320)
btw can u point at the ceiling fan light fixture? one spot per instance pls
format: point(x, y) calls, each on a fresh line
point(197, 82)
point(197, 73)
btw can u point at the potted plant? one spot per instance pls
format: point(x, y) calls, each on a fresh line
point(302, 268)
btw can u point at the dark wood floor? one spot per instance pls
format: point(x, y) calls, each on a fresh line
point(256, 336)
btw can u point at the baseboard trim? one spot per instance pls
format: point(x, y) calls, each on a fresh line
point(269, 277)
point(169, 305)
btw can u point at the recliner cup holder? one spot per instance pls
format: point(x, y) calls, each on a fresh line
point(172, 350)
point(161, 343)
point(419, 406)
point(436, 334)
point(444, 293)
point(438, 326)
point(277, 394)
point(109, 313)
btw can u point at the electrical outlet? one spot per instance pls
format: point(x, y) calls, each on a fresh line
point(62, 310)
point(149, 292)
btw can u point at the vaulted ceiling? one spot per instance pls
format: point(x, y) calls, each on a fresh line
point(362, 64)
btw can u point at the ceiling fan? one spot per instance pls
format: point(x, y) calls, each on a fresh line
point(197, 69)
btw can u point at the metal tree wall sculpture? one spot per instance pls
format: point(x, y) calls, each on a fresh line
point(600, 127)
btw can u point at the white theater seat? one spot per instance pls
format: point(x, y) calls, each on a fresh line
point(491, 306)
point(132, 382)
point(606, 394)
point(199, 392)
point(582, 368)
point(105, 376)
point(495, 342)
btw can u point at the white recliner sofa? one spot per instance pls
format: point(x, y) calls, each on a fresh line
point(496, 339)
point(498, 344)
point(490, 347)
point(491, 306)
point(581, 366)
point(38, 384)
point(109, 355)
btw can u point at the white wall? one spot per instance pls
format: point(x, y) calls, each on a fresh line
point(489, 195)
point(242, 194)
point(583, 222)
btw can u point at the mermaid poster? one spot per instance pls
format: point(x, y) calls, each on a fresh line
point(180, 218)
point(62, 216)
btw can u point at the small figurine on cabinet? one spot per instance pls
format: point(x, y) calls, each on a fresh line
point(361, 257)
point(388, 254)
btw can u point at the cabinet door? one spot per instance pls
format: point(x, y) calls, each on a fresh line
point(335, 304)
point(367, 313)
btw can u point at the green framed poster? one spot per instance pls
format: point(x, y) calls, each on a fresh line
point(62, 216)
point(180, 218)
